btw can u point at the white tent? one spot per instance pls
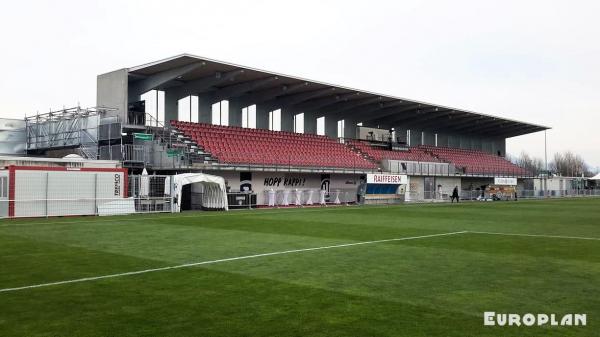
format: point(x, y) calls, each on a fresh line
point(596, 177)
point(214, 193)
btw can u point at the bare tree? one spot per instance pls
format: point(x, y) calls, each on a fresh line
point(569, 164)
point(530, 163)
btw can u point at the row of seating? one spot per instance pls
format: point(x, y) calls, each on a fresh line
point(235, 145)
point(474, 161)
point(378, 153)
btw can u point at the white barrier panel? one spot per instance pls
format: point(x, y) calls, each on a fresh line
point(58, 191)
point(121, 207)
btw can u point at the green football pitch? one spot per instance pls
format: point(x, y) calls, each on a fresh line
point(408, 270)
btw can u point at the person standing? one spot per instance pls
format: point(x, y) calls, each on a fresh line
point(454, 195)
point(360, 193)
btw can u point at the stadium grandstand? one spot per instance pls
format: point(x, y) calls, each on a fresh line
point(265, 132)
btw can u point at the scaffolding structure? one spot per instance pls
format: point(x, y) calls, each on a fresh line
point(67, 128)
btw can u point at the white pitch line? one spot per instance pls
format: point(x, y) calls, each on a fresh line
point(537, 235)
point(160, 215)
point(194, 264)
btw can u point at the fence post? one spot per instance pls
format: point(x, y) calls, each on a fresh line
point(47, 185)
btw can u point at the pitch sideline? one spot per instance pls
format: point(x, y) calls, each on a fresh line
point(536, 235)
point(194, 264)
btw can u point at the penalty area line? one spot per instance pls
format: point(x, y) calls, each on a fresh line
point(194, 264)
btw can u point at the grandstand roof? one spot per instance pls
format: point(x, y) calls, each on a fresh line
point(252, 85)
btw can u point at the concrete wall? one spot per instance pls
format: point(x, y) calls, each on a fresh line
point(447, 184)
point(112, 92)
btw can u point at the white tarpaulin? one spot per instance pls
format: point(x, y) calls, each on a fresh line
point(214, 194)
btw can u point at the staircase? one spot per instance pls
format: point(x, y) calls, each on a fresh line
point(429, 152)
point(170, 138)
point(361, 153)
point(89, 151)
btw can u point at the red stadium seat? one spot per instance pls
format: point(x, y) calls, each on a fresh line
point(235, 145)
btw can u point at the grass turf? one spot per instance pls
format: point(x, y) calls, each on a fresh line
point(436, 286)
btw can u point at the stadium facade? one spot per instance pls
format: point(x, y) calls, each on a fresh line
point(264, 132)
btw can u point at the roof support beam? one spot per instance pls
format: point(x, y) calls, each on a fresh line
point(259, 97)
point(402, 112)
point(459, 123)
point(514, 131)
point(344, 106)
point(524, 131)
point(364, 113)
point(288, 100)
point(482, 125)
point(142, 86)
point(411, 118)
point(440, 122)
point(241, 88)
point(496, 125)
point(204, 84)
point(391, 112)
point(426, 117)
point(326, 101)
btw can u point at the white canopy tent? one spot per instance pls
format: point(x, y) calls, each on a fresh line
point(214, 194)
point(596, 177)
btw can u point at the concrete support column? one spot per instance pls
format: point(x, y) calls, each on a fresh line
point(401, 134)
point(262, 117)
point(287, 120)
point(235, 113)
point(429, 138)
point(415, 137)
point(171, 106)
point(330, 127)
point(350, 128)
point(443, 140)
point(204, 109)
point(310, 123)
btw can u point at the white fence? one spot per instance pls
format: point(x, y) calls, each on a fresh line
point(47, 194)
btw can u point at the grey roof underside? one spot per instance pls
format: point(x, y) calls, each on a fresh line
point(225, 80)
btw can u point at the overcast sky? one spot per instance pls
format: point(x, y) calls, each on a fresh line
point(535, 61)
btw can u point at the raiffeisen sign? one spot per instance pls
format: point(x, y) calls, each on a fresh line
point(397, 179)
point(505, 181)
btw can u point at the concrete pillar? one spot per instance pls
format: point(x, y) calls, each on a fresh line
point(287, 120)
point(235, 113)
point(262, 117)
point(350, 128)
point(442, 139)
point(330, 127)
point(171, 106)
point(204, 109)
point(401, 134)
point(429, 138)
point(415, 137)
point(310, 123)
